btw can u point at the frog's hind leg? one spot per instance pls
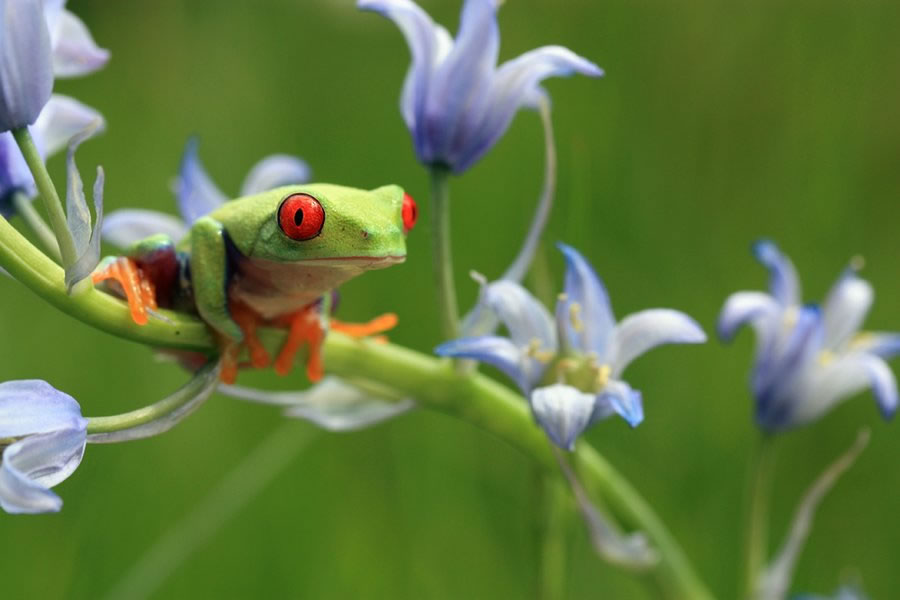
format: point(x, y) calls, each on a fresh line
point(248, 320)
point(138, 290)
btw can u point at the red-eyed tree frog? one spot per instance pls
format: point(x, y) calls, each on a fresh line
point(272, 258)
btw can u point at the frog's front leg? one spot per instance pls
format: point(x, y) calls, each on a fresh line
point(210, 277)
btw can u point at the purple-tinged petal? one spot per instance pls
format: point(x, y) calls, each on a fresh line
point(36, 463)
point(460, 89)
point(646, 329)
point(783, 282)
point(75, 52)
point(196, 193)
point(332, 404)
point(125, 227)
point(32, 406)
point(526, 319)
point(618, 398)
point(78, 216)
point(26, 75)
point(62, 119)
point(428, 44)
point(14, 173)
point(883, 344)
point(515, 84)
point(499, 352)
point(563, 411)
point(588, 326)
point(756, 308)
point(845, 309)
point(275, 171)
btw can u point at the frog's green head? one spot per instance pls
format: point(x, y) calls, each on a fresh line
point(322, 224)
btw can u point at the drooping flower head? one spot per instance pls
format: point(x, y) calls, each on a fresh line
point(571, 369)
point(43, 435)
point(456, 101)
point(809, 358)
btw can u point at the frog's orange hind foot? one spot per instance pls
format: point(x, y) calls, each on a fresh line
point(231, 350)
point(378, 325)
point(248, 320)
point(303, 326)
point(139, 291)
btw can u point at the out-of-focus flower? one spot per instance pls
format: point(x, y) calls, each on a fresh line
point(580, 358)
point(197, 195)
point(456, 101)
point(45, 435)
point(26, 64)
point(810, 358)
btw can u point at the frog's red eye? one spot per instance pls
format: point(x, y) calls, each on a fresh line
point(410, 212)
point(301, 217)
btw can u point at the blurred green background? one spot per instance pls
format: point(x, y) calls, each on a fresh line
point(718, 122)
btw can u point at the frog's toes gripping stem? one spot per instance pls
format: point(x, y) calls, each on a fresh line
point(304, 325)
point(138, 289)
point(248, 320)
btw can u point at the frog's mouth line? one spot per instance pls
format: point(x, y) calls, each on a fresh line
point(355, 260)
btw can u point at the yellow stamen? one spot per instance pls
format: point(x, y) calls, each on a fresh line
point(602, 376)
point(826, 357)
point(575, 317)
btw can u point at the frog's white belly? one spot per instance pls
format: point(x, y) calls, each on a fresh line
point(274, 288)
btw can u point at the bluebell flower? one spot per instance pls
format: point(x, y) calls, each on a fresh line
point(456, 101)
point(197, 195)
point(809, 358)
point(44, 436)
point(570, 368)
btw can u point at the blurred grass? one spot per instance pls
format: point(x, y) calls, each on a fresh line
point(717, 123)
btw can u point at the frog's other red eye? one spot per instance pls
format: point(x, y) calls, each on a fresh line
point(301, 217)
point(410, 212)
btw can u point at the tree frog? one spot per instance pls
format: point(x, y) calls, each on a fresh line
point(273, 258)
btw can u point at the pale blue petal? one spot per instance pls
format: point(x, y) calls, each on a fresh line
point(563, 411)
point(62, 119)
point(845, 309)
point(526, 319)
point(34, 406)
point(36, 463)
point(14, 173)
point(460, 88)
point(595, 317)
point(745, 307)
point(783, 281)
point(829, 383)
point(638, 333)
point(26, 75)
point(883, 344)
point(497, 351)
point(75, 52)
point(515, 85)
point(78, 216)
point(125, 227)
point(332, 404)
point(275, 171)
point(196, 193)
point(618, 398)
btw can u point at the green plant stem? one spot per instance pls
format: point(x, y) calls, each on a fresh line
point(555, 501)
point(434, 383)
point(757, 532)
point(442, 256)
point(48, 194)
point(25, 209)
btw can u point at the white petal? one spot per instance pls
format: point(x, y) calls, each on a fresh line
point(783, 281)
point(617, 398)
point(879, 343)
point(845, 309)
point(74, 50)
point(195, 192)
point(332, 404)
point(36, 463)
point(756, 308)
point(526, 319)
point(594, 313)
point(34, 406)
point(563, 411)
point(647, 329)
point(275, 171)
point(125, 227)
point(26, 76)
point(62, 119)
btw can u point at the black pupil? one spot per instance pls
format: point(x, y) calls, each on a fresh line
point(298, 217)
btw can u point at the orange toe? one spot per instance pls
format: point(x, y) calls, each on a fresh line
point(139, 290)
point(379, 324)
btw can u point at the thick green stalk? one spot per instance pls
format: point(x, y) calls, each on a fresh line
point(555, 507)
point(441, 254)
point(48, 192)
point(434, 383)
point(25, 209)
point(757, 532)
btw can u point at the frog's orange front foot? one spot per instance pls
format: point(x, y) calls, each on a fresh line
point(303, 326)
point(379, 324)
point(248, 320)
point(231, 350)
point(139, 290)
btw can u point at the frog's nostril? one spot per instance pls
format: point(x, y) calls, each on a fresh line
point(365, 234)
